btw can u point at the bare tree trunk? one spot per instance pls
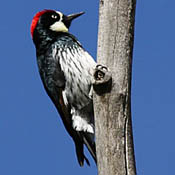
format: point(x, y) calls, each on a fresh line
point(114, 140)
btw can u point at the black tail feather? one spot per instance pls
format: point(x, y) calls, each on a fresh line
point(88, 140)
point(80, 154)
point(90, 144)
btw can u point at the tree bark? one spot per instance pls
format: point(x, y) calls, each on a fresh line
point(114, 140)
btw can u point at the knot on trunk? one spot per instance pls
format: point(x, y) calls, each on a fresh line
point(102, 82)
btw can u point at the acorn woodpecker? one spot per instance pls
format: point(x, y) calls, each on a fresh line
point(66, 71)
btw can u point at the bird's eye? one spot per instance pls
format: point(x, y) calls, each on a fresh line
point(54, 16)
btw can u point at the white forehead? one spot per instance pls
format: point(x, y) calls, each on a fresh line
point(60, 14)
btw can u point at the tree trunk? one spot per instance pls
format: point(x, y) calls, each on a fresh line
point(114, 140)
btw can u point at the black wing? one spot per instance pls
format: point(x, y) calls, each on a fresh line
point(54, 82)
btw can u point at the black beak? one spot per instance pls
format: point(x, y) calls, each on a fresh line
point(73, 16)
point(68, 19)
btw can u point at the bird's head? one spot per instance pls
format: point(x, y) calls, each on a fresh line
point(54, 21)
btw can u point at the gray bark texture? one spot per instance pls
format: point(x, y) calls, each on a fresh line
point(114, 139)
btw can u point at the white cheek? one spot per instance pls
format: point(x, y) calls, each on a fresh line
point(59, 27)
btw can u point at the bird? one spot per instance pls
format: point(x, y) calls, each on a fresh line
point(66, 71)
